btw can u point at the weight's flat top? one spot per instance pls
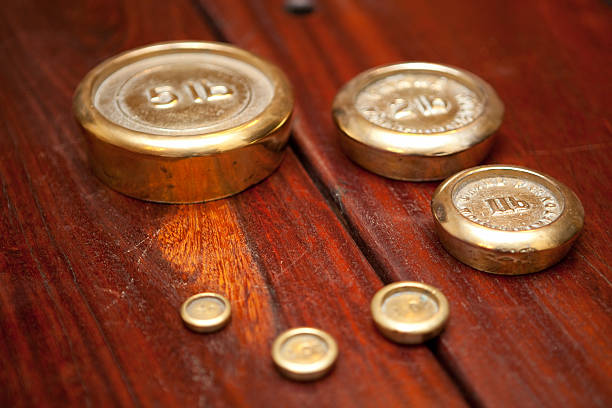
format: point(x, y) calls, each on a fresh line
point(419, 102)
point(185, 93)
point(418, 108)
point(410, 306)
point(183, 99)
point(507, 202)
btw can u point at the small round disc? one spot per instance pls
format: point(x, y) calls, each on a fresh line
point(206, 312)
point(304, 353)
point(506, 219)
point(409, 312)
point(417, 121)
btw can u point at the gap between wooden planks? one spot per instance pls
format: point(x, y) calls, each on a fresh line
point(539, 340)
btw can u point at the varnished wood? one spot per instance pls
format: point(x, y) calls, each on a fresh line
point(538, 340)
point(91, 281)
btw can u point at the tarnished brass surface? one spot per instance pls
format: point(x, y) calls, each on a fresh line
point(506, 219)
point(409, 312)
point(417, 121)
point(184, 122)
point(304, 353)
point(206, 312)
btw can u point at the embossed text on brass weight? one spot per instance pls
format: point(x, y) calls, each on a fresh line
point(419, 103)
point(508, 203)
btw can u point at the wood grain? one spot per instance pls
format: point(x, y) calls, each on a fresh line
point(91, 281)
point(539, 340)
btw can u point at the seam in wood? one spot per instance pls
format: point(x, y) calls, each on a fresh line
point(334, 203)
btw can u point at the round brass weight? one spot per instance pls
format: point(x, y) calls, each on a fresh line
point(183, 122)
point(206, 312)
point(409, 312)
point(506, 219)
point(304, 353)
point(417, 121)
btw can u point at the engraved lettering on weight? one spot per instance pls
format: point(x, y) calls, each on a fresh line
point(504, 204)
point(425, 105)
point(507, 203)
point(419, 103)
point(217, 92)
point(163, 97)
point(199, 92)
point(202, 92)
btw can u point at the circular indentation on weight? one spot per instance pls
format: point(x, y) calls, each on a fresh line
point(185, 98)
point(409, 306)
point(205, 308)
point(304, 348)
point(419, 102)
point(507, 202)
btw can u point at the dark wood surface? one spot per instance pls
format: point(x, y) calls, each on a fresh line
point(90, 280)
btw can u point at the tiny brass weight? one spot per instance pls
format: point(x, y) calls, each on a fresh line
point(409, 312)
point(506, 219)
point(206, 312)
point(417, 121)
point(184, 122)
point(304, 353)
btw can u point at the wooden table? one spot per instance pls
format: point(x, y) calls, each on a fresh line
point(91, 280)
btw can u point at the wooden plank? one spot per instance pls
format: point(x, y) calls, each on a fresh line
point(91, 281)
point(539, 340)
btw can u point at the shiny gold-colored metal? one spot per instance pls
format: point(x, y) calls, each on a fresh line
point(206, 312)
point(506, 219)
point(183, 122)
point(417, 121)
point(409, 312)
point(304, 353)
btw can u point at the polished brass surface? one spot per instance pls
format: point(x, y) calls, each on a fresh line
point(417, 121)
point(304, 353)
point(506, 219)
point(409, 312)
point(206, 312)
point(184, 122)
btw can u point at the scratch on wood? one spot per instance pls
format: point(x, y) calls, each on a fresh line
point(295, 261)
point(146, 249)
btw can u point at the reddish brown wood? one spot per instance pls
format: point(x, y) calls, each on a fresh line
point(539, 340)
point(91, 281)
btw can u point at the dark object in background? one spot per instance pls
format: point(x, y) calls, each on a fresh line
point(299, 6)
